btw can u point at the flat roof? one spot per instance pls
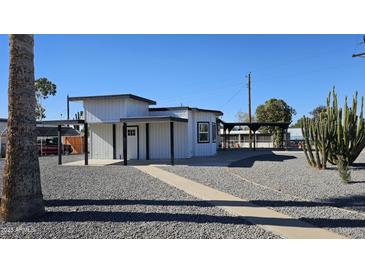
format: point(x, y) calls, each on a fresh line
point(153, 119)
point(112, 96)
point(49, 131)
point(61, 122)
point(186, 107)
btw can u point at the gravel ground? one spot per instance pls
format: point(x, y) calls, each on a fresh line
point(122, 202)
point(284, 182)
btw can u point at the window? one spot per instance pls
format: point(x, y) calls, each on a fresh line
point(214, 132)
point(203, 132)
point(131, 132)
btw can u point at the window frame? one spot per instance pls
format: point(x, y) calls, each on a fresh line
point(198, 132)
point(214, 133)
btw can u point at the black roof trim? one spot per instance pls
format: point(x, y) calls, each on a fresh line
point(111, 96)
point(3, 120)
point(61, 122)
point(189, 108)
point(153, 118)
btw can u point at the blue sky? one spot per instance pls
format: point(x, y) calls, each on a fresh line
point(206, 71)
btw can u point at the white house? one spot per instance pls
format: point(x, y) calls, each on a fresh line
point(124, 126)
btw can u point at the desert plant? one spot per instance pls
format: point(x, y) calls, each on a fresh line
point(337, 135)
point(343, 170)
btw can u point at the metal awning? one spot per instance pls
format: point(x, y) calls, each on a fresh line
point(148, 119)
point(61, 122)
point(49, 131)
point(53, 131)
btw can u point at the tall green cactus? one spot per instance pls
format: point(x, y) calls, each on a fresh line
point(337, 136)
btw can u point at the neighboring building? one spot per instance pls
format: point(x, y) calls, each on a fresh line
point(149, 131)
point(295, 134)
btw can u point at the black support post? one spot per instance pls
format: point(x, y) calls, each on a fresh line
point(125, 143)
point(68, 107)
point(254, 140)
point(147, 141)
point(59, 128)
point(114, 143)
point(86, 144)
point(172, 153)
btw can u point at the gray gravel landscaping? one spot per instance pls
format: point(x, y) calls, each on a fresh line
point(284, 182)
point(122, 202)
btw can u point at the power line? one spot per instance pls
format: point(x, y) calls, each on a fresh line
point(362, 55)
point(232, 97)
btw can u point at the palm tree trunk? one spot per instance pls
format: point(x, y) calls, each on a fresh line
point(22, 194)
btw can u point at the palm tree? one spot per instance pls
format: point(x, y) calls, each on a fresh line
point(22, 194)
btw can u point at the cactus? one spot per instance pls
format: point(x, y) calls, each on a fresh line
point(337, 136)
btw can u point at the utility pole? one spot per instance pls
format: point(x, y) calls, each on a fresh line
point(249, 110)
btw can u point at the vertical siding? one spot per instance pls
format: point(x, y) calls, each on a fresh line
point(102, 141)
point(203, 149)
point(181, 146)
point(136, 108)
point(159, 141)
point(111, 110)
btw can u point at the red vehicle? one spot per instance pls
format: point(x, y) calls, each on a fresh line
point(50, 146)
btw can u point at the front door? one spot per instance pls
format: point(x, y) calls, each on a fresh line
point(132, 142)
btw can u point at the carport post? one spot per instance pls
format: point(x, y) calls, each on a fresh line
point(125, 143)
point(59, 152)
point(172, 156)
point(86, 143)
point(254, 140)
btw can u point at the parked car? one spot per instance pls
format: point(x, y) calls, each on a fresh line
point(50, 146)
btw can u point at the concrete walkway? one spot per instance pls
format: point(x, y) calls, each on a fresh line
point(270, 220)
point(94, 162)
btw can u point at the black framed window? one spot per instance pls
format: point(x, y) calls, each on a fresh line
point(203, 132)
point(214, 132)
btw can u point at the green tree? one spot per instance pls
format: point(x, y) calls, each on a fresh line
point(43, 89)
point(274, 110)
point(315, 113)
point(297, 124)
point(243, 117)
point(22, 194)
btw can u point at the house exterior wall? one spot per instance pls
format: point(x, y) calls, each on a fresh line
point(201, 149)
point(160, 140)
point(111, 110)
point(101, 141)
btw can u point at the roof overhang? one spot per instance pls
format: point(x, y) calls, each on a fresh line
point(156, 119)
point(111, 96)
point(61, 122)
point(218, 112)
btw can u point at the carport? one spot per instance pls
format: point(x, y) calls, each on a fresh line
point(254, 126)
point(62, 130)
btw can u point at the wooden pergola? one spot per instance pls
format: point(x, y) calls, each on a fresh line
point(59, 124)
point(254, 126)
